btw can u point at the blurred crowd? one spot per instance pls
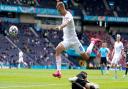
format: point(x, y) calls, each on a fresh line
point(19, 2)
point(38, 49)
point(91, 8)
point(39, 46)
point(38, 3)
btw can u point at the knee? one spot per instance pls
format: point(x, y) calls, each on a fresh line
point(59, 49)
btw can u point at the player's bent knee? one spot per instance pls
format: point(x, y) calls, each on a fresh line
point(60, 48)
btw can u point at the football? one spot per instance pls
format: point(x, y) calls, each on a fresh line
point(13, 30)
point(82, 62)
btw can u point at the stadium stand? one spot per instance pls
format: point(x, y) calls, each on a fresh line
point(38, 50)
point(39, 46)
point(19, 2)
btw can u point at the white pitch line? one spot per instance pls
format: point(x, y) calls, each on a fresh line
point(23, 86)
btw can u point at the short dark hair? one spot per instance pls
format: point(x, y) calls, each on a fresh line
point(82, 75)
point(83, 72)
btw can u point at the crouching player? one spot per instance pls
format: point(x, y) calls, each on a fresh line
point(81, 82)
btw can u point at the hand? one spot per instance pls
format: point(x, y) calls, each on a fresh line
point(58, 28)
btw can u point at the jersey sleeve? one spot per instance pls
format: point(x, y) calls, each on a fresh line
point(68, 17)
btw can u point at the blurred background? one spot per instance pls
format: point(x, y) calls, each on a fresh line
point(35, 19)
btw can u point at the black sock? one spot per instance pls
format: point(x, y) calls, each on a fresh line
point(126, 71)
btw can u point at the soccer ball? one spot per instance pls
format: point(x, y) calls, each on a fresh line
point(13, 30)
point(82, 62)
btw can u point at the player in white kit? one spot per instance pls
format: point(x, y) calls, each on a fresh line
point(21, 61)
point(117, 54)
point(70, 39)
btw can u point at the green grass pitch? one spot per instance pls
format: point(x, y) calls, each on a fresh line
point(42, 79)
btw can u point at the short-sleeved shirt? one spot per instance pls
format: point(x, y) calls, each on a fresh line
point(118, 46)
point(69, 32)
point(103, 52)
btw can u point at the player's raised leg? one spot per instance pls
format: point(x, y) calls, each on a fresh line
point(86, 54)
point(90, 47)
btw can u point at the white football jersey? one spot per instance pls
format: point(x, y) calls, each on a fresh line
point(69, 32)
point(20, 54)
point(118, 46)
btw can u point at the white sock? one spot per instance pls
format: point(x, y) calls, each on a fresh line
point(58, 62)
point(90, 47)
